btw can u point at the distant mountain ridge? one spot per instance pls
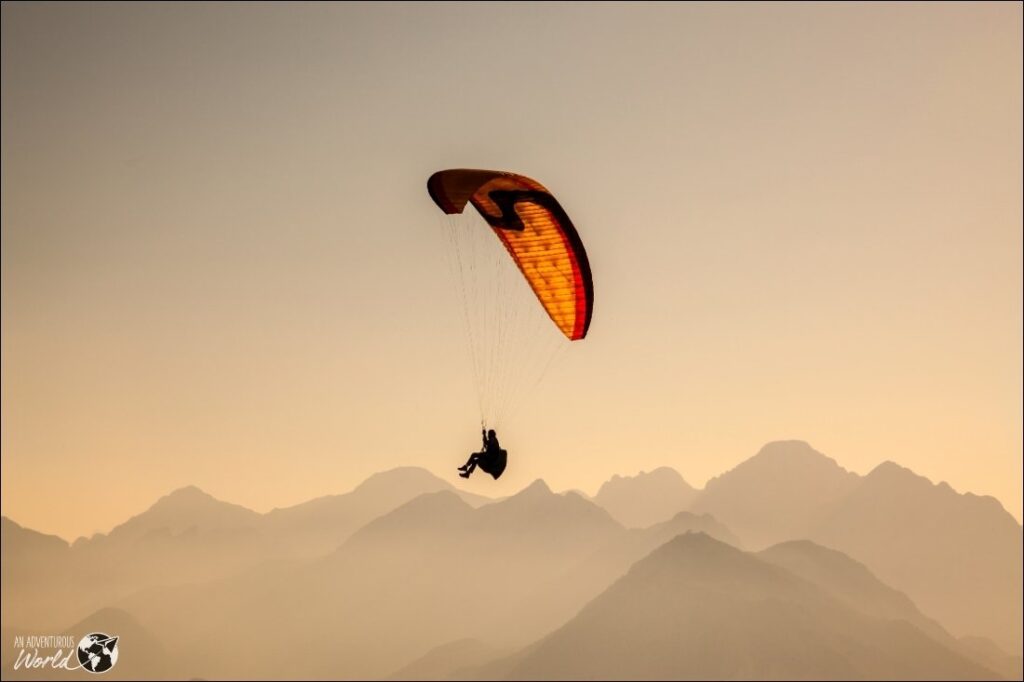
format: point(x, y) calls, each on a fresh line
point(775, 495)
point(182, 510)
point(647, 498)
point(15, 537)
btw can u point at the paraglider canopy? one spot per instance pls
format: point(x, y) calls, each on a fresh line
point(535, 231)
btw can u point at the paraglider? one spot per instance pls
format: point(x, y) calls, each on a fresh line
point(491, 458)
point(511, 340)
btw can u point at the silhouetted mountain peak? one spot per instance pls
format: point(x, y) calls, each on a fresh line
point(401, 477)
point(665, 473)
point(892, 480)
point(697, 560)
point(380, 492)
point(695, 556)
point(17, 538)
point(890, 470)
point(647, 498)
point(785, 459)
point(695, 541)
point(188, 495)
point(661, 477)
point(890, 475)
point(191, 501)
point(438, 510)
point(189, 490)
point(685, 521)
point(539, 498)
point(536, 510)
point(775, 494)
point(536, 490)
point(187, 509)
point(792, 452)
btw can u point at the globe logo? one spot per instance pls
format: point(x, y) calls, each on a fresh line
point(97, 652)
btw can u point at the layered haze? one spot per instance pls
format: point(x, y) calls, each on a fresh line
point(409, 578)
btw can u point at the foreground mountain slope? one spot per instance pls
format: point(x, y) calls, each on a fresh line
point(697, 608)
point(858, 588)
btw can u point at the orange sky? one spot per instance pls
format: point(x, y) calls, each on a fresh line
point(220, 264)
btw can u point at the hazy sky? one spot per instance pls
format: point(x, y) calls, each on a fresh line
point(221, 266)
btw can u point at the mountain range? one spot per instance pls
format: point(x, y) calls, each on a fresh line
point(785, 566)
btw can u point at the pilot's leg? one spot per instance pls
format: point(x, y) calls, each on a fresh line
point(470, 465)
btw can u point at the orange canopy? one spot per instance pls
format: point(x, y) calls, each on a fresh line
point(537, 233)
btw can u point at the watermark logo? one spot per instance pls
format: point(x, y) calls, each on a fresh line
point(95, 653)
